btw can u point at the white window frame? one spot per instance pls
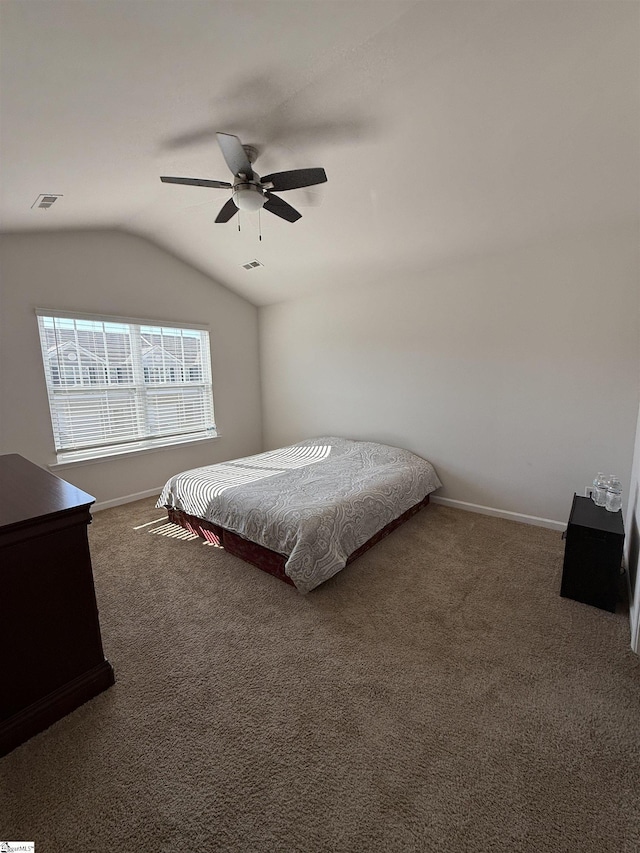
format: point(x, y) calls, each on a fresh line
point(141, 434)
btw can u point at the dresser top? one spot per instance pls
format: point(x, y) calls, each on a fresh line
point(28, 492)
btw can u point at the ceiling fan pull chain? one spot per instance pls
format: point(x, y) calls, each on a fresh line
point(259, 226)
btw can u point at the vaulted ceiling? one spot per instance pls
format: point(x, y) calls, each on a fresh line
point(446, 129)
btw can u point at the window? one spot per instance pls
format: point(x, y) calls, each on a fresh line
point(117, 385)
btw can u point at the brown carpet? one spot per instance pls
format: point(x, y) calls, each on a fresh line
point(437, 695)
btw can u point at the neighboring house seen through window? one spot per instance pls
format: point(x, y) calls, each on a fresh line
point(118, 385)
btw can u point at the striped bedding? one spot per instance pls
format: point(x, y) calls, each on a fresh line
point(315, 502)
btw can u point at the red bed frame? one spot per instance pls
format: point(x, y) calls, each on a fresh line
point(265, 559)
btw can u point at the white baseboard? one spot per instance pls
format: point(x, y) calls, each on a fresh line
point(469, 507)
point(126, 499)
point(501, 513)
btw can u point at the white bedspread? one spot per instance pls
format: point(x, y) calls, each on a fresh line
point(316, 502)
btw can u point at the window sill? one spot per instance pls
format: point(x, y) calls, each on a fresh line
point(111, 456)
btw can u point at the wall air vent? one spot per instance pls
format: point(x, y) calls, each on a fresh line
point(251, 265)
point(45, 200)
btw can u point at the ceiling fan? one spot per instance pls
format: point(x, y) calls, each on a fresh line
point(250, 191)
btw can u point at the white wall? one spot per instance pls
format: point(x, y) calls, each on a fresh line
point(110, 272)
point(515, 374)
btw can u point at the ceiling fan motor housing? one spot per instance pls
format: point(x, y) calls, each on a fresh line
point(248, 196)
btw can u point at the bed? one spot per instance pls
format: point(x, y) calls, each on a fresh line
point(303, 512)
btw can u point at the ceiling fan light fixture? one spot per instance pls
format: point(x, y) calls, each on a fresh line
point(248, 197)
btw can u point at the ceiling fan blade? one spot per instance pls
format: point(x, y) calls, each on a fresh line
point(295, 179)
point(227, 211)
point(234, 154)
point(196, 182)
point(281, 208)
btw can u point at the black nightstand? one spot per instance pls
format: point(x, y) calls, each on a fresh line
point(592, 554)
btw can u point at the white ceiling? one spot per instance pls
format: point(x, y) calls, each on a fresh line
point(446, 128)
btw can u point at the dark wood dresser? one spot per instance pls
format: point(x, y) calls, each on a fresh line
point(51, 658)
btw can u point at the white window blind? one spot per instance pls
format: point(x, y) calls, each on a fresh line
point(117, 385)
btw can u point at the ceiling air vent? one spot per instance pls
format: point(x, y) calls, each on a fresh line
point(251, 265)
point(45, 200)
